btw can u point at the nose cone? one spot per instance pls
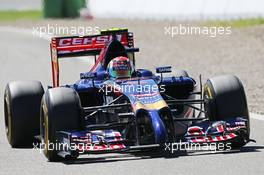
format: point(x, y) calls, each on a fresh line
point(158, 127)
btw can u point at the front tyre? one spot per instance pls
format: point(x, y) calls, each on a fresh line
point(60, 111)
point(225, 98)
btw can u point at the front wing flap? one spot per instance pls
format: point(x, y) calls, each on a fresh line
point(217, 131)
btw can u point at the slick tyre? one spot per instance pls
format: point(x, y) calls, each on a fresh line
point(60, 111)
point(180, 73)
point(225, 98)
point(21, 110)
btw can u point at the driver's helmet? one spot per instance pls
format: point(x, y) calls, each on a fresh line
point(120, 67)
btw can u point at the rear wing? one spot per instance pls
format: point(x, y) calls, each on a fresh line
point(92, 45)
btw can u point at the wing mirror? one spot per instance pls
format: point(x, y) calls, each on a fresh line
point(161, 70)
point(164, 69)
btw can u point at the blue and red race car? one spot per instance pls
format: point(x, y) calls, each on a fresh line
point(115, 107)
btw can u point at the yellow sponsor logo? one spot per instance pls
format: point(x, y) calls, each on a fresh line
point(153, 106)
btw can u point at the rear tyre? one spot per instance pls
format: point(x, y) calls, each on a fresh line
point(21, 108)
point(60, 111)
point(180, 73)
point(225, 98)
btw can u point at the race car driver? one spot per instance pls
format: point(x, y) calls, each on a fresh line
point(120, 67)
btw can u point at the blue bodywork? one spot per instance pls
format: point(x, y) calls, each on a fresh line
point(148, 98)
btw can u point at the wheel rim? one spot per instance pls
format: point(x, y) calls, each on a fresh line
point(7, 118)
point(45, 129)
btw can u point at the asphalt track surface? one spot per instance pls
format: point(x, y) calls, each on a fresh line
point(24, 57)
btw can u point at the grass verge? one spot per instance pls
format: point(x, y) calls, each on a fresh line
point(13, 15)
point(237, 23)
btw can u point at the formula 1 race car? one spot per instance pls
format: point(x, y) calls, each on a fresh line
point(115, 107)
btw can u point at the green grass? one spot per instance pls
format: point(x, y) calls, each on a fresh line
point(12, 15)
point(237, 23)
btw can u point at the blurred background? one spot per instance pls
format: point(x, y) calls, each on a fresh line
point(148, 9)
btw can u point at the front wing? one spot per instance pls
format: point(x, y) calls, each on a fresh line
point(111, 140)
